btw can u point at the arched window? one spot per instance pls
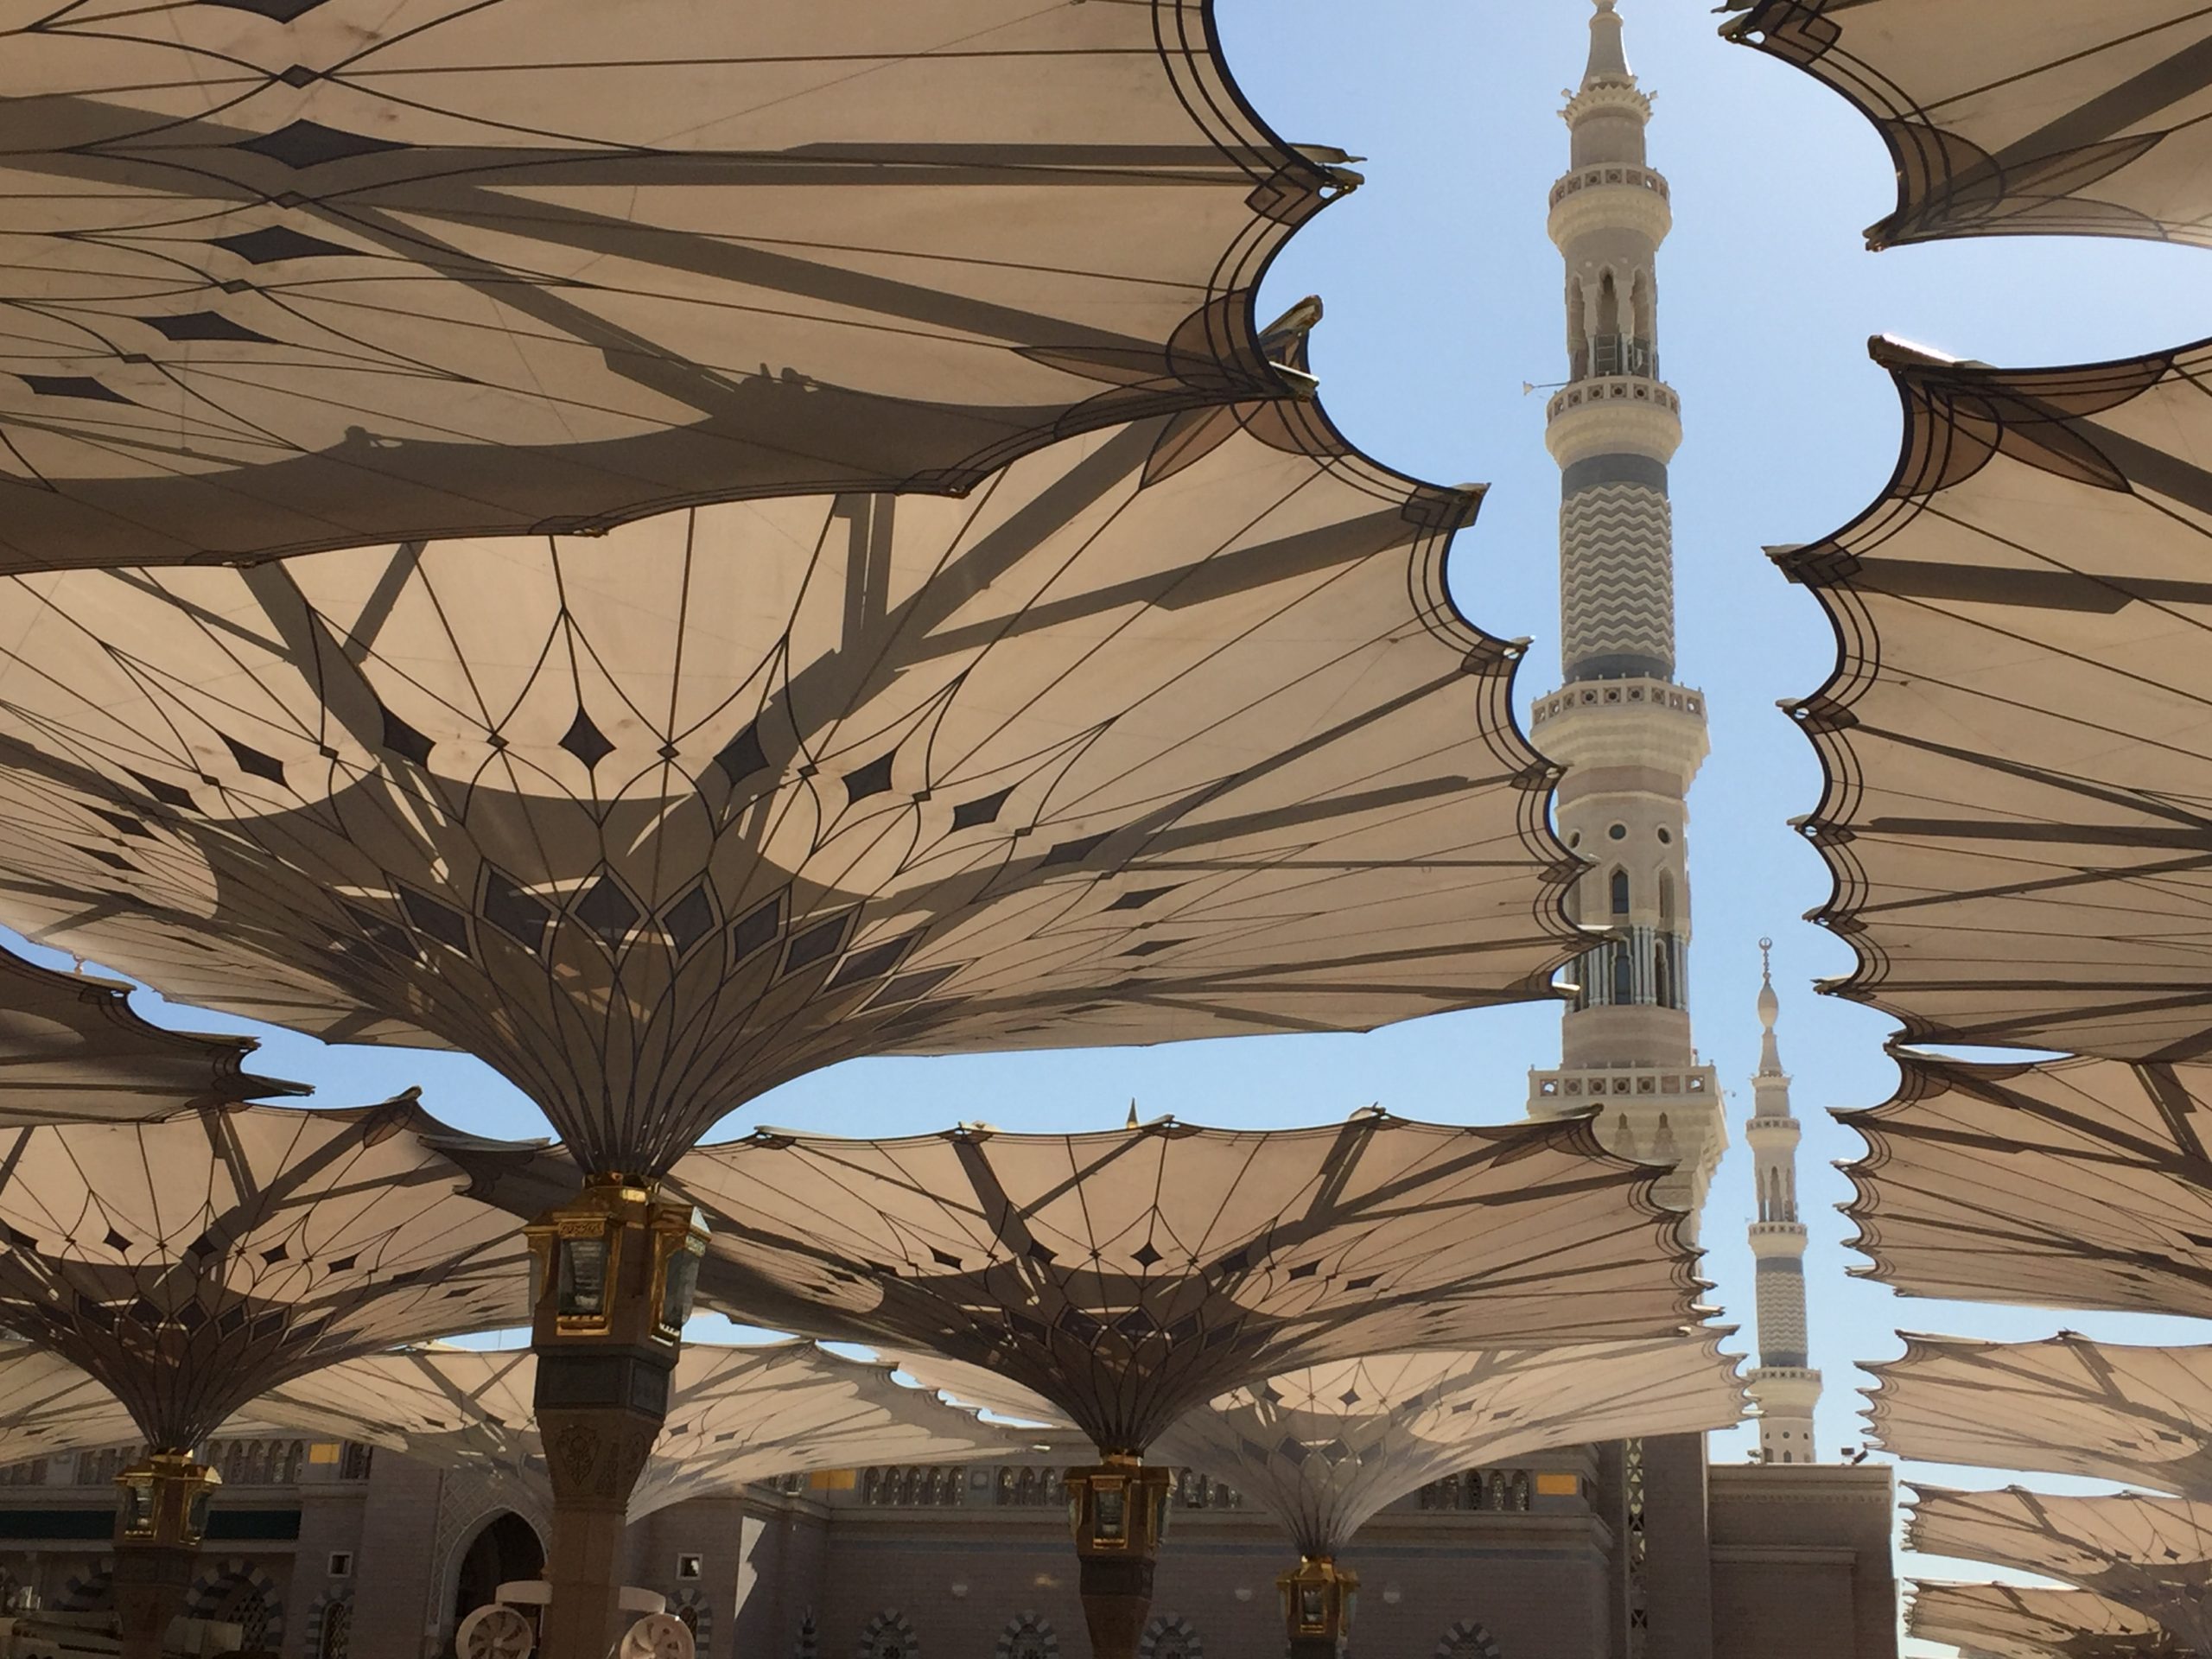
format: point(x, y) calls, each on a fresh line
point(1662, 978)
point(1624, 976)
point(1620, 892)
point(1666, 897)
point(335, 1636)
point(1609, 306)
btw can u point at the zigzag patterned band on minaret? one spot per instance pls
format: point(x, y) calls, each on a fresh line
point(1617, 582)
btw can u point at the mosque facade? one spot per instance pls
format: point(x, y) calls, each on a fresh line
point(1638, 1550)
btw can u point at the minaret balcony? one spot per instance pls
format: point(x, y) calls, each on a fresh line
point(1612, 415)
point(1636, 723)
point(1616, 196)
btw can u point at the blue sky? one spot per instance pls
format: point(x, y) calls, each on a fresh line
point(1443, 297)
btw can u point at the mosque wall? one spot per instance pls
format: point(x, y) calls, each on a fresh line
point(1802, 1561)
point(1774, 1558)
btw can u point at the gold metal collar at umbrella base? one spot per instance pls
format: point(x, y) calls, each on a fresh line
point(1318, 1600)
point(163, 1501)
point(615, 1266)
point(1118, 1511)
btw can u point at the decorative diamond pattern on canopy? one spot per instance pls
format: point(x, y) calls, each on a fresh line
point(1168, 732)
point(1018, 1253)
point(735, 1414)
point(189, 1265)
point(277, 282)
point(2022, 117)
point(1325, 1448)
point(2015, 740)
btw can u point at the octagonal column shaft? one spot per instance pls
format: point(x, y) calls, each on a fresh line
point(615, 1270)
point(1119, 1512)
point(161, 1516)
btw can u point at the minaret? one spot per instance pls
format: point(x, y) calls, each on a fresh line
point(1783, 1388)
point(1630, 738)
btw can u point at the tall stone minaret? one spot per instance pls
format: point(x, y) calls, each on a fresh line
point(1630, 738)
point(1782, 1387)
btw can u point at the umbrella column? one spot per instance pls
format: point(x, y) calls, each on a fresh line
point(1119, 1512)
point(616, 1268)
point(1318, 1600)
point(161, 1516)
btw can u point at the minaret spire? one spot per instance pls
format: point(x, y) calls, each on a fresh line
point(1631, 737)
point(1782, 1386)
point(1608, 57)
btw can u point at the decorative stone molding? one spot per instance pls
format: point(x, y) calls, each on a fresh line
point(1171, 1636)
point(1028, 1635)
point(1614, 415)
point(889, 1636)
point(1467, 1640)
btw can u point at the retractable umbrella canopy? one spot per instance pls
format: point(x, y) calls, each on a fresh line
point(1127, 1276)
point(1171, 731)
point(2150, 1555)
point(72, 1051)
point(190, 1265)
point(316, 273)
point(2015, 739)
point(53, 1406)
point(1325, 1449)
point(735, 1414)
point(2005, 1621)
point(2018, 117)
point(2067, 1407)
point(2080, 1183)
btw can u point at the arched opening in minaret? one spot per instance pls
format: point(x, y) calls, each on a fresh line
point(1620, 892)
point(1577, 328)
point(1624, 976)
point(1609, 306)
point(1666, 897)
point(1663, 976)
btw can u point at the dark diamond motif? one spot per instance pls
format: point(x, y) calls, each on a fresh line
point(585, 741)
point(1145, 1256)
point(167, 794)
point(253, 761)
point(908, 986)
point(232, 1319)
point(71, 385)
point(300, 75)
point(1074, 852)
point(378, 931)
point(608, 912)
point(309, 143)
point(341, 1263)
point(522, 916)
point(872, 963)
point(282, 11)
point(116, 1241)
point(690, 919)
point(273, 243)
point(742, 755)
point(668, 752)
point(1349, 1397)
point(1140, 898)
point(235, 285)
point(871, 779)
point(1363, 1283)
point(968, 814)
point(438, 919)
point(944, 1259)
point(822, 939)
point(757, 928)
point(275, 1254)
point(137, 357)
point(1306, 1271)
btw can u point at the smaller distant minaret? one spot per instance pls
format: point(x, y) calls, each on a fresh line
point(1783, 1387)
